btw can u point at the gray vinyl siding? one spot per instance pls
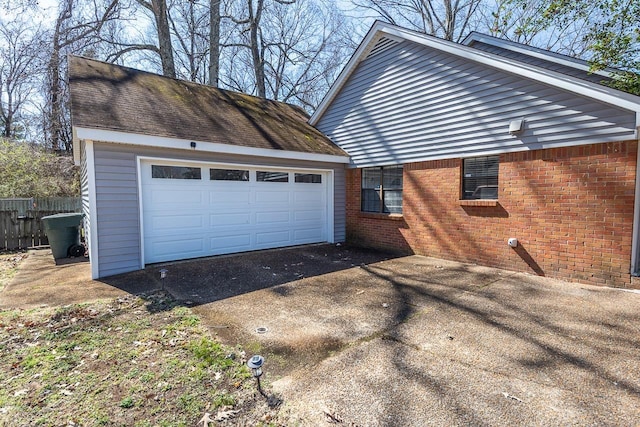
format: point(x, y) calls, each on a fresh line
point(539, 62)
point(118, 219)
point(118, 206)
point(412, 103)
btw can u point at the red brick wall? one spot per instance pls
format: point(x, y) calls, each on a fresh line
point(571, 210)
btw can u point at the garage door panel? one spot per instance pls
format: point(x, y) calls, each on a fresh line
point(275, 238)
point(230, 198)
point(189, 218)
point(231, 243)
point(307, 235)
point(275, 217)
point(176, 246)
point(307, 196)
point(222, 220)
point(309, 215)
point(163, 197)
point(177, 222)
point(271, 196)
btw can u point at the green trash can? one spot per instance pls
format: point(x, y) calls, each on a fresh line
point(63, 231)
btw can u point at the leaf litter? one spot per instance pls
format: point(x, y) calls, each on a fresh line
point(134, 360)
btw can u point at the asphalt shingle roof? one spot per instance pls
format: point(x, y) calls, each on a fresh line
point(112, 97)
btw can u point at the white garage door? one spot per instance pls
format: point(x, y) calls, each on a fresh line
point(193, 210)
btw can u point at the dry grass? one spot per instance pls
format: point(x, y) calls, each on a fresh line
point(8, 265)
point(131, 361)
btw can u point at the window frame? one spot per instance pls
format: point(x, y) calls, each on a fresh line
point(382, 190)
point(272, 176)
point(483, 179)
point(307, 178)
point(232, 175)
point(191, 173)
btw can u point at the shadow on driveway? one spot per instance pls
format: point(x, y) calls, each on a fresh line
point(205, 280)
point(354, 337)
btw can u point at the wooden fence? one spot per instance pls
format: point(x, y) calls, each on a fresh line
point(21, 219)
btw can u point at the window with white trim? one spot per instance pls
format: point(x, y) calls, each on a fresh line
point(309, 178)
point(228, 175)
point(272, 176)
point(175, 172)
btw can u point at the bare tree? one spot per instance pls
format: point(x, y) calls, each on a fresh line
point(448, 19)
point(248, 17)
point(165, 47)
point(305, 48)
point(189, 21)
point(214, 42)
point(70, 35)
point(20, 66)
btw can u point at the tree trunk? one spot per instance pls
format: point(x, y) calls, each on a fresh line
point(159, 8)
point(256, 47)
point(214, 43)
point(7, 116)
point(54, 82)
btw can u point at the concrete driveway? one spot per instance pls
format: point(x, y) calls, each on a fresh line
point(361, 338)
point(420, 341)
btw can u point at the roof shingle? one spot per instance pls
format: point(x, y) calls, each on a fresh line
point(111, 97)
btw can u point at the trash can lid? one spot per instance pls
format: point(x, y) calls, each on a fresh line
point(62, 220)
point(64, 215)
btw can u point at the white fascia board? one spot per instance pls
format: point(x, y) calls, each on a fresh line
point(93, 210)
point(140, 210)
point(535, 52)
point(201, 146)
point(551, 78)
point(76, 147)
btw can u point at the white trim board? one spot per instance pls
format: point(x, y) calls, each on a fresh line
point(93, 210)
point(551, 78)
point(104, 135)
point(535, 52)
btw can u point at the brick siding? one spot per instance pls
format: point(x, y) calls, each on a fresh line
point(571, 210)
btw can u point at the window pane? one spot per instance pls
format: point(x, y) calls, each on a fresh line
point(311, 178)
point(272, 176)
point(228, 175)
point(393, 201)
point(175, 172)
point(371, 177)
point(370, 200)
point(382, 189)
point(392, 177)
point(480, 178)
